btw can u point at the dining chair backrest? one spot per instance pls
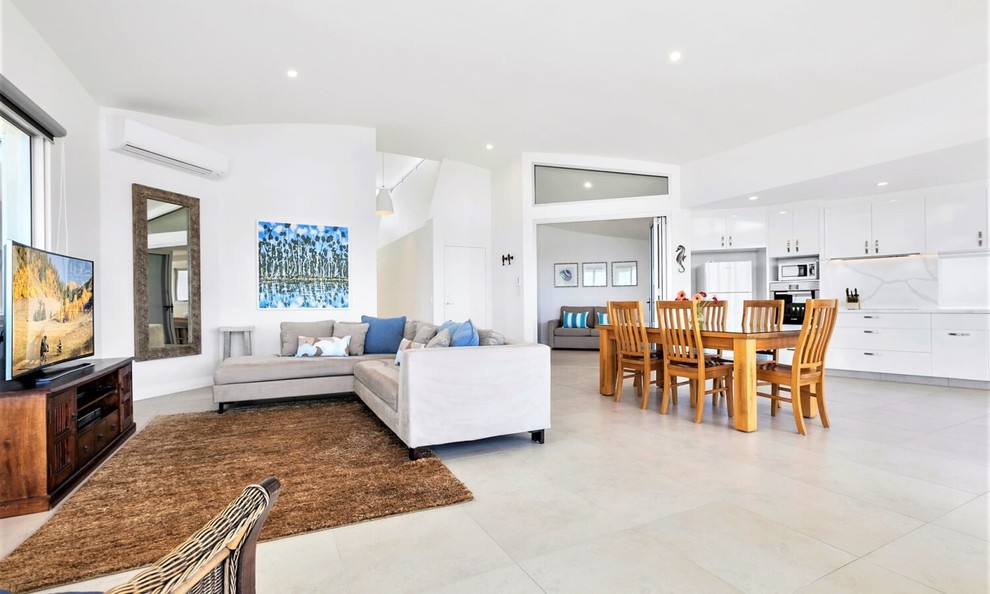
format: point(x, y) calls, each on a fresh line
point(629, 327)
point(819, 321)
point(766, 315)
point(680, 333)
point(714, 314)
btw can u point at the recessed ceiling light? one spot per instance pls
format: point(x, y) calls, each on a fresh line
point(782, 212)
point(754, 197)
point(675, 56)
point(291, 73)
point(881, 184)
point(588, 184)
point(489, 146)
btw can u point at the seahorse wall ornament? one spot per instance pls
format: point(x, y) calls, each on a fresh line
point(680, 258)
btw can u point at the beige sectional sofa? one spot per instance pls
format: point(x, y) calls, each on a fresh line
point(437, 395)
point(575, 338)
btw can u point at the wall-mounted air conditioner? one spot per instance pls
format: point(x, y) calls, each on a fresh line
point(139, 140)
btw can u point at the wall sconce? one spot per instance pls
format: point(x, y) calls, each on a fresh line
point(507, 259)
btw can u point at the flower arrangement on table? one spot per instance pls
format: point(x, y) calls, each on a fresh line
point(700, 299)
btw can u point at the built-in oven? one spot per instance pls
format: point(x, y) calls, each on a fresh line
point(794, 294)
point(797, 270)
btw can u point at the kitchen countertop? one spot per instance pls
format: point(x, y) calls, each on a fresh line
point(944, 310)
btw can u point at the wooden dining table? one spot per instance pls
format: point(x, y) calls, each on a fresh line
point(743, 346)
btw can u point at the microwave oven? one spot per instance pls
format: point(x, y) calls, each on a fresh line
point(797, 270)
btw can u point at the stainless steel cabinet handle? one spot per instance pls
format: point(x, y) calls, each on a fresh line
point(796, 247)
point(870, 332)
point(871, 317)
point(871, 354)
point(723, 241)
point(958, 333)
point(788, 246)
point(866, 246)
point(876, 246)
point(979, 238)
point(730, 241)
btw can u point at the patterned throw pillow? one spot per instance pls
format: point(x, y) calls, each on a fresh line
point(602, 318)
point(407, 345)
point(322, 347)
point(574, 319)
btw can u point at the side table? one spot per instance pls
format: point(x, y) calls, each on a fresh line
point(246, 337)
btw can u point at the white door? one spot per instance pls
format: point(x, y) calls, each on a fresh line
point(465, 285)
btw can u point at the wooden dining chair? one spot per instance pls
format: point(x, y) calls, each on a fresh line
point(684, 356)
point(635, 358)
point(714, 314)
point(805, 376)
point(763, 315)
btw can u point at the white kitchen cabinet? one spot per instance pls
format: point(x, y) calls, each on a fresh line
point(961, 346)
point(887, 226)
point(745, 229)
point(956, 218)
point(792, 232)
point(898, 343)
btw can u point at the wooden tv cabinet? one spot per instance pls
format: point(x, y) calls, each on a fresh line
point(52, 436)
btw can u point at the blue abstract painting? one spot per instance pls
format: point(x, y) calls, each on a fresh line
point(302, 266)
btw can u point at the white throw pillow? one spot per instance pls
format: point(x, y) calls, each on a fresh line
point(323, 347)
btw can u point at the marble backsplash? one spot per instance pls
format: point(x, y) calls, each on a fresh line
point(906, 282)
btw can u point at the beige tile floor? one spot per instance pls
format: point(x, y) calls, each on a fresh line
point(892, 498)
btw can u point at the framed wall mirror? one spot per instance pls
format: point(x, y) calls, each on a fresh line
point(593, 274)
point(624, 274)
point(166, 274)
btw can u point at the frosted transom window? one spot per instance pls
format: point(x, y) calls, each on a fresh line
point(565, 184)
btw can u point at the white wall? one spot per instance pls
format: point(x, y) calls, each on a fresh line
point(294, 173)
point(461, 213)
point(412, 202)
point(290, 173)
point(405, 276)
point(555, 246)
point(507, 234)
point(942, 113)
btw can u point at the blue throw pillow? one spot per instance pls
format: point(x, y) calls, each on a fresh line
point(574, 319)
point(465, 335)
point(384, 334)
point(602, 318)
point(449, 326)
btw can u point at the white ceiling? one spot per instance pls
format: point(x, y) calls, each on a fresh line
point(441, 79)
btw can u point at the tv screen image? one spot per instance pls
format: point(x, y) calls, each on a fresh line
point(49, 309)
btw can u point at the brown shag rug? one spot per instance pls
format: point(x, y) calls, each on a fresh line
point(337, 463)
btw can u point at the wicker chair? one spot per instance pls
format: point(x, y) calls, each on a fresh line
point(217, 559)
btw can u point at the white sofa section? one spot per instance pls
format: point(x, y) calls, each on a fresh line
point(457, 394)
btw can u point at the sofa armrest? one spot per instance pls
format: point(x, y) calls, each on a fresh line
point(551, 326)
point(466, 393)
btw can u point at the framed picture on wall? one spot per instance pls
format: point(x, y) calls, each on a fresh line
point(624, 274)
point(302, 266)
point(593, 274)
point(565, 275)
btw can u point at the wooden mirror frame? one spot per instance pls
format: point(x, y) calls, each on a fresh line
point(139, 202)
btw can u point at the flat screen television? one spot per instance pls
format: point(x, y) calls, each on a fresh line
point(48, 311)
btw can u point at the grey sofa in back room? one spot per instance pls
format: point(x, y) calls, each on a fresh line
point(575, 338)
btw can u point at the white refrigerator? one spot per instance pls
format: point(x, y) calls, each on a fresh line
point(731, 282)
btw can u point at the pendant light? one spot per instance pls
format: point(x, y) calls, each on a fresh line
point(383, 201)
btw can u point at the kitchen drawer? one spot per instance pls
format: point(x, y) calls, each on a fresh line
point(961, 321)
point(961, 354)
point(916, 340)
point(879, 361)
point(848, 319)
